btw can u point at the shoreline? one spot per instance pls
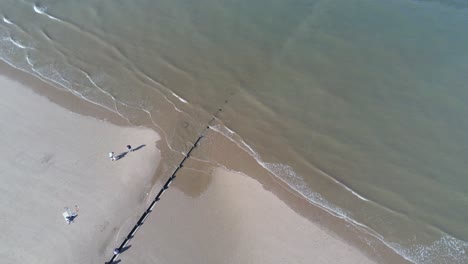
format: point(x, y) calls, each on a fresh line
point(235, 220)
point(336, 227)
point(221, 153)
point(60, 96)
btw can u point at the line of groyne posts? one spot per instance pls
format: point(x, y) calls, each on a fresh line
point(166, 185)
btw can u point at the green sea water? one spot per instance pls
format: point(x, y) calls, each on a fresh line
point(359, 105)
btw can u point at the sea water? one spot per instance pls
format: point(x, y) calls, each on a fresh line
point(359, 105)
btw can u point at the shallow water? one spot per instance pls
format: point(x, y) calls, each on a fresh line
point(358, 105)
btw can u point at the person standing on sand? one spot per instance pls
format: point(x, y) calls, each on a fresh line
point(129, 148)
point(111, 156)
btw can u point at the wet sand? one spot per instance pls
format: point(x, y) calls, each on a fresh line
point(209, 215)
point(54, 158)
point(214, 215)
point(234, 221)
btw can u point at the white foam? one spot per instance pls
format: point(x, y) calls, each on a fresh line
point(180, 98)
point(229, 130)
point(175, 107)
point(341, 184)
point(53, 77)
point(116, 110)
point(17, 44)
point(28, 60)
point(6, 20)
point(157, 83)
point(163, 132)
point(39, 10)
point(289, 177)
point(285, 173)
point(450, 249)
point(42, 10)
point(445, 250)
point(229, 134)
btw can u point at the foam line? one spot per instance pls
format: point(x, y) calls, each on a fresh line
point(180, 98)
point(6, 20)
point(56, 83)
point(453, 249)
point(341, 184)
point(17, 44)
point(42, 10)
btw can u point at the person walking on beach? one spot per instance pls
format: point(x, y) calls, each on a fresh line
point(111, 156)
point(129, 148)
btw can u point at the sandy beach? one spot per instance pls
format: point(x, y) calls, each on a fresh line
point(56, 159)
point(212, 214)
point(234, 220)
point(330, 131)
point(59, 158)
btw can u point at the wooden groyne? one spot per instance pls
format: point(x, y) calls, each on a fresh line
point(166, 185)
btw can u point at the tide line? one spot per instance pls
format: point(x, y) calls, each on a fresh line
point(166, 185)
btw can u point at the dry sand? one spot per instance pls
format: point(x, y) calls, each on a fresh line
point(235, 220)
point(54, 158)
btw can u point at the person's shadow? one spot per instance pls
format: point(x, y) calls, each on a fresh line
point(123, 154)
point(71, 218)
point(139, 147)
